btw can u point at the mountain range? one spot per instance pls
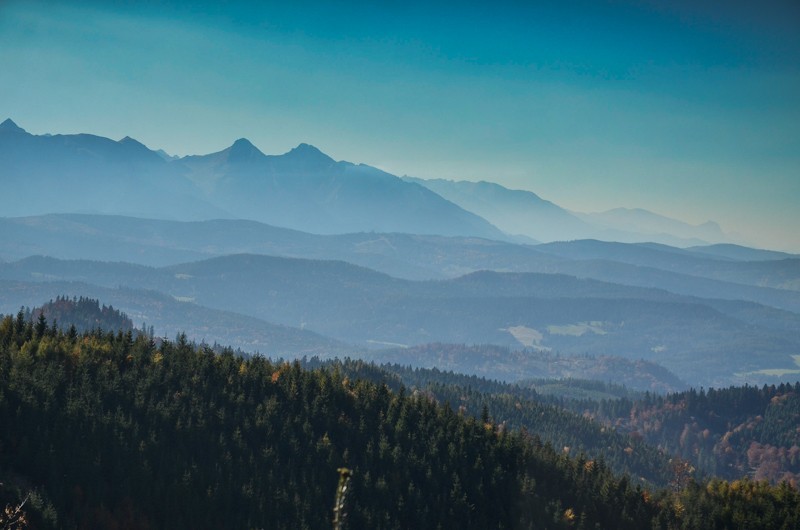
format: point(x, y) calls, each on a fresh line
point(303, 189)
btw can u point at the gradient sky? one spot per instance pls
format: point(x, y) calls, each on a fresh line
point(687, 108)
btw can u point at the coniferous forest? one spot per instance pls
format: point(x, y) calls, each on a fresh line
point(118, 430)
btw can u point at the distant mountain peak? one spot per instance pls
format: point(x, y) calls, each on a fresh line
point(243, 150)
point(166, 156)
point(10, 126)
point(710, 224)
point(244, 143)
point(130, 141)
point(136, 150)
point(309, 152)
point(304, 147)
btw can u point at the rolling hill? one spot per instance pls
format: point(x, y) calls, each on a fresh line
point(170, 317)
point(703, 342)
point(416, 257)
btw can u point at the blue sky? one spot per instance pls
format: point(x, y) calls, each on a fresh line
point(689, 109)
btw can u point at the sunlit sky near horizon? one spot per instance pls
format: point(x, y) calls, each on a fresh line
point(689, 109)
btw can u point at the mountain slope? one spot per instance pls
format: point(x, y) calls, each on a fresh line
point(512, 365)
point(513, 211)
point(524, 212)
point(727, 432)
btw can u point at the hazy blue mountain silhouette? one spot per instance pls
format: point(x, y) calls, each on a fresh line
point(513, 211)
point(307, 190)
point(92, 174)
point(303, 189)
point(525, 213)
point(655, 226)
point(160, 242)
point(776, 273)
point(740, 253)
point(773, 282)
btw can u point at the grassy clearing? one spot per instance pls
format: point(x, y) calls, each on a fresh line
point(576, 330)
point(526, 336)
point(188, 299)
point(388, 344)
point(778, 372)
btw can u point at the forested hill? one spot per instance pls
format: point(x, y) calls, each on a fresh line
point(111, 430)
point(85, 314)
point(659, 440)
point(729, 432)
point(516, 407)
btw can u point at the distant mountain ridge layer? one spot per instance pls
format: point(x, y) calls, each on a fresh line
point(756, 275)
point(303, 189)
point(703, 341)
